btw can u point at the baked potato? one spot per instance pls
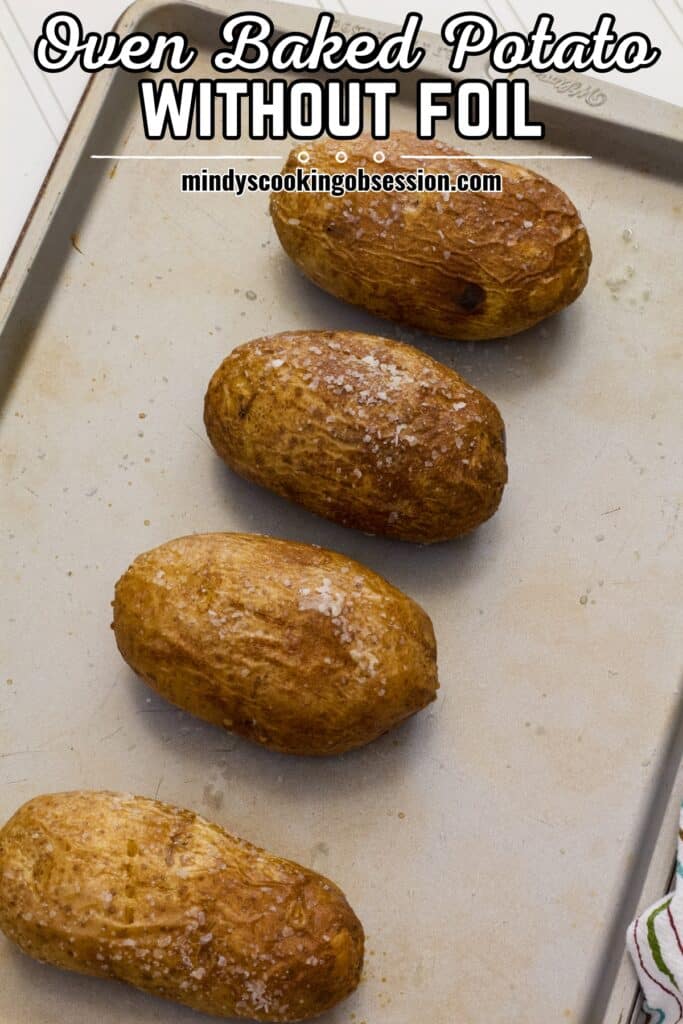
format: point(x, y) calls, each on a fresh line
point(366, 431)
point(123, 887)
point(297, 648)
point(466, 265)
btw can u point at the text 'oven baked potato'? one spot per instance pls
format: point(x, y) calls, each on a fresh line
point(123, 887)
point(295, 647)
point(464, 265)
point(366, 431)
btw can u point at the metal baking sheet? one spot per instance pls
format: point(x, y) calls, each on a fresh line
point(495, 845)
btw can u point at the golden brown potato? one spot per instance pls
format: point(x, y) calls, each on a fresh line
point(297, 648)
point(365, 431)
point(466, 265)
point(119, 886)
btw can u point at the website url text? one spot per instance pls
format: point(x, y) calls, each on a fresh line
point(340, 183)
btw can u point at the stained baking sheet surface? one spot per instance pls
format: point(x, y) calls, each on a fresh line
point(484, 844)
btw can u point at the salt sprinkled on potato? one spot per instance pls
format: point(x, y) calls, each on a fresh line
point(291, 646)
point(366, 431)
point(119, 886)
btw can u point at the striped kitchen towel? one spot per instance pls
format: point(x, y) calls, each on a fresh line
point(655, 942)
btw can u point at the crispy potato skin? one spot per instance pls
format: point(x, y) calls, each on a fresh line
point(366, 431)
point(294, 647)
point(123, 887)
point(468, 266)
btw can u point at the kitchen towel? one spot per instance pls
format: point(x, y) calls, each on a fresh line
point(655, 942)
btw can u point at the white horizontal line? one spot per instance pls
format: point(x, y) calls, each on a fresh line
point(492, 156)
point(189, 156)
point(403, 156)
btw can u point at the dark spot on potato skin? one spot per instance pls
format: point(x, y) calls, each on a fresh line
point(245, 406)
point(471, 298)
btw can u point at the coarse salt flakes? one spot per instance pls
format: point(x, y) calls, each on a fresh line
point(257, 994)
point(366, 660)
point(324, 600)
